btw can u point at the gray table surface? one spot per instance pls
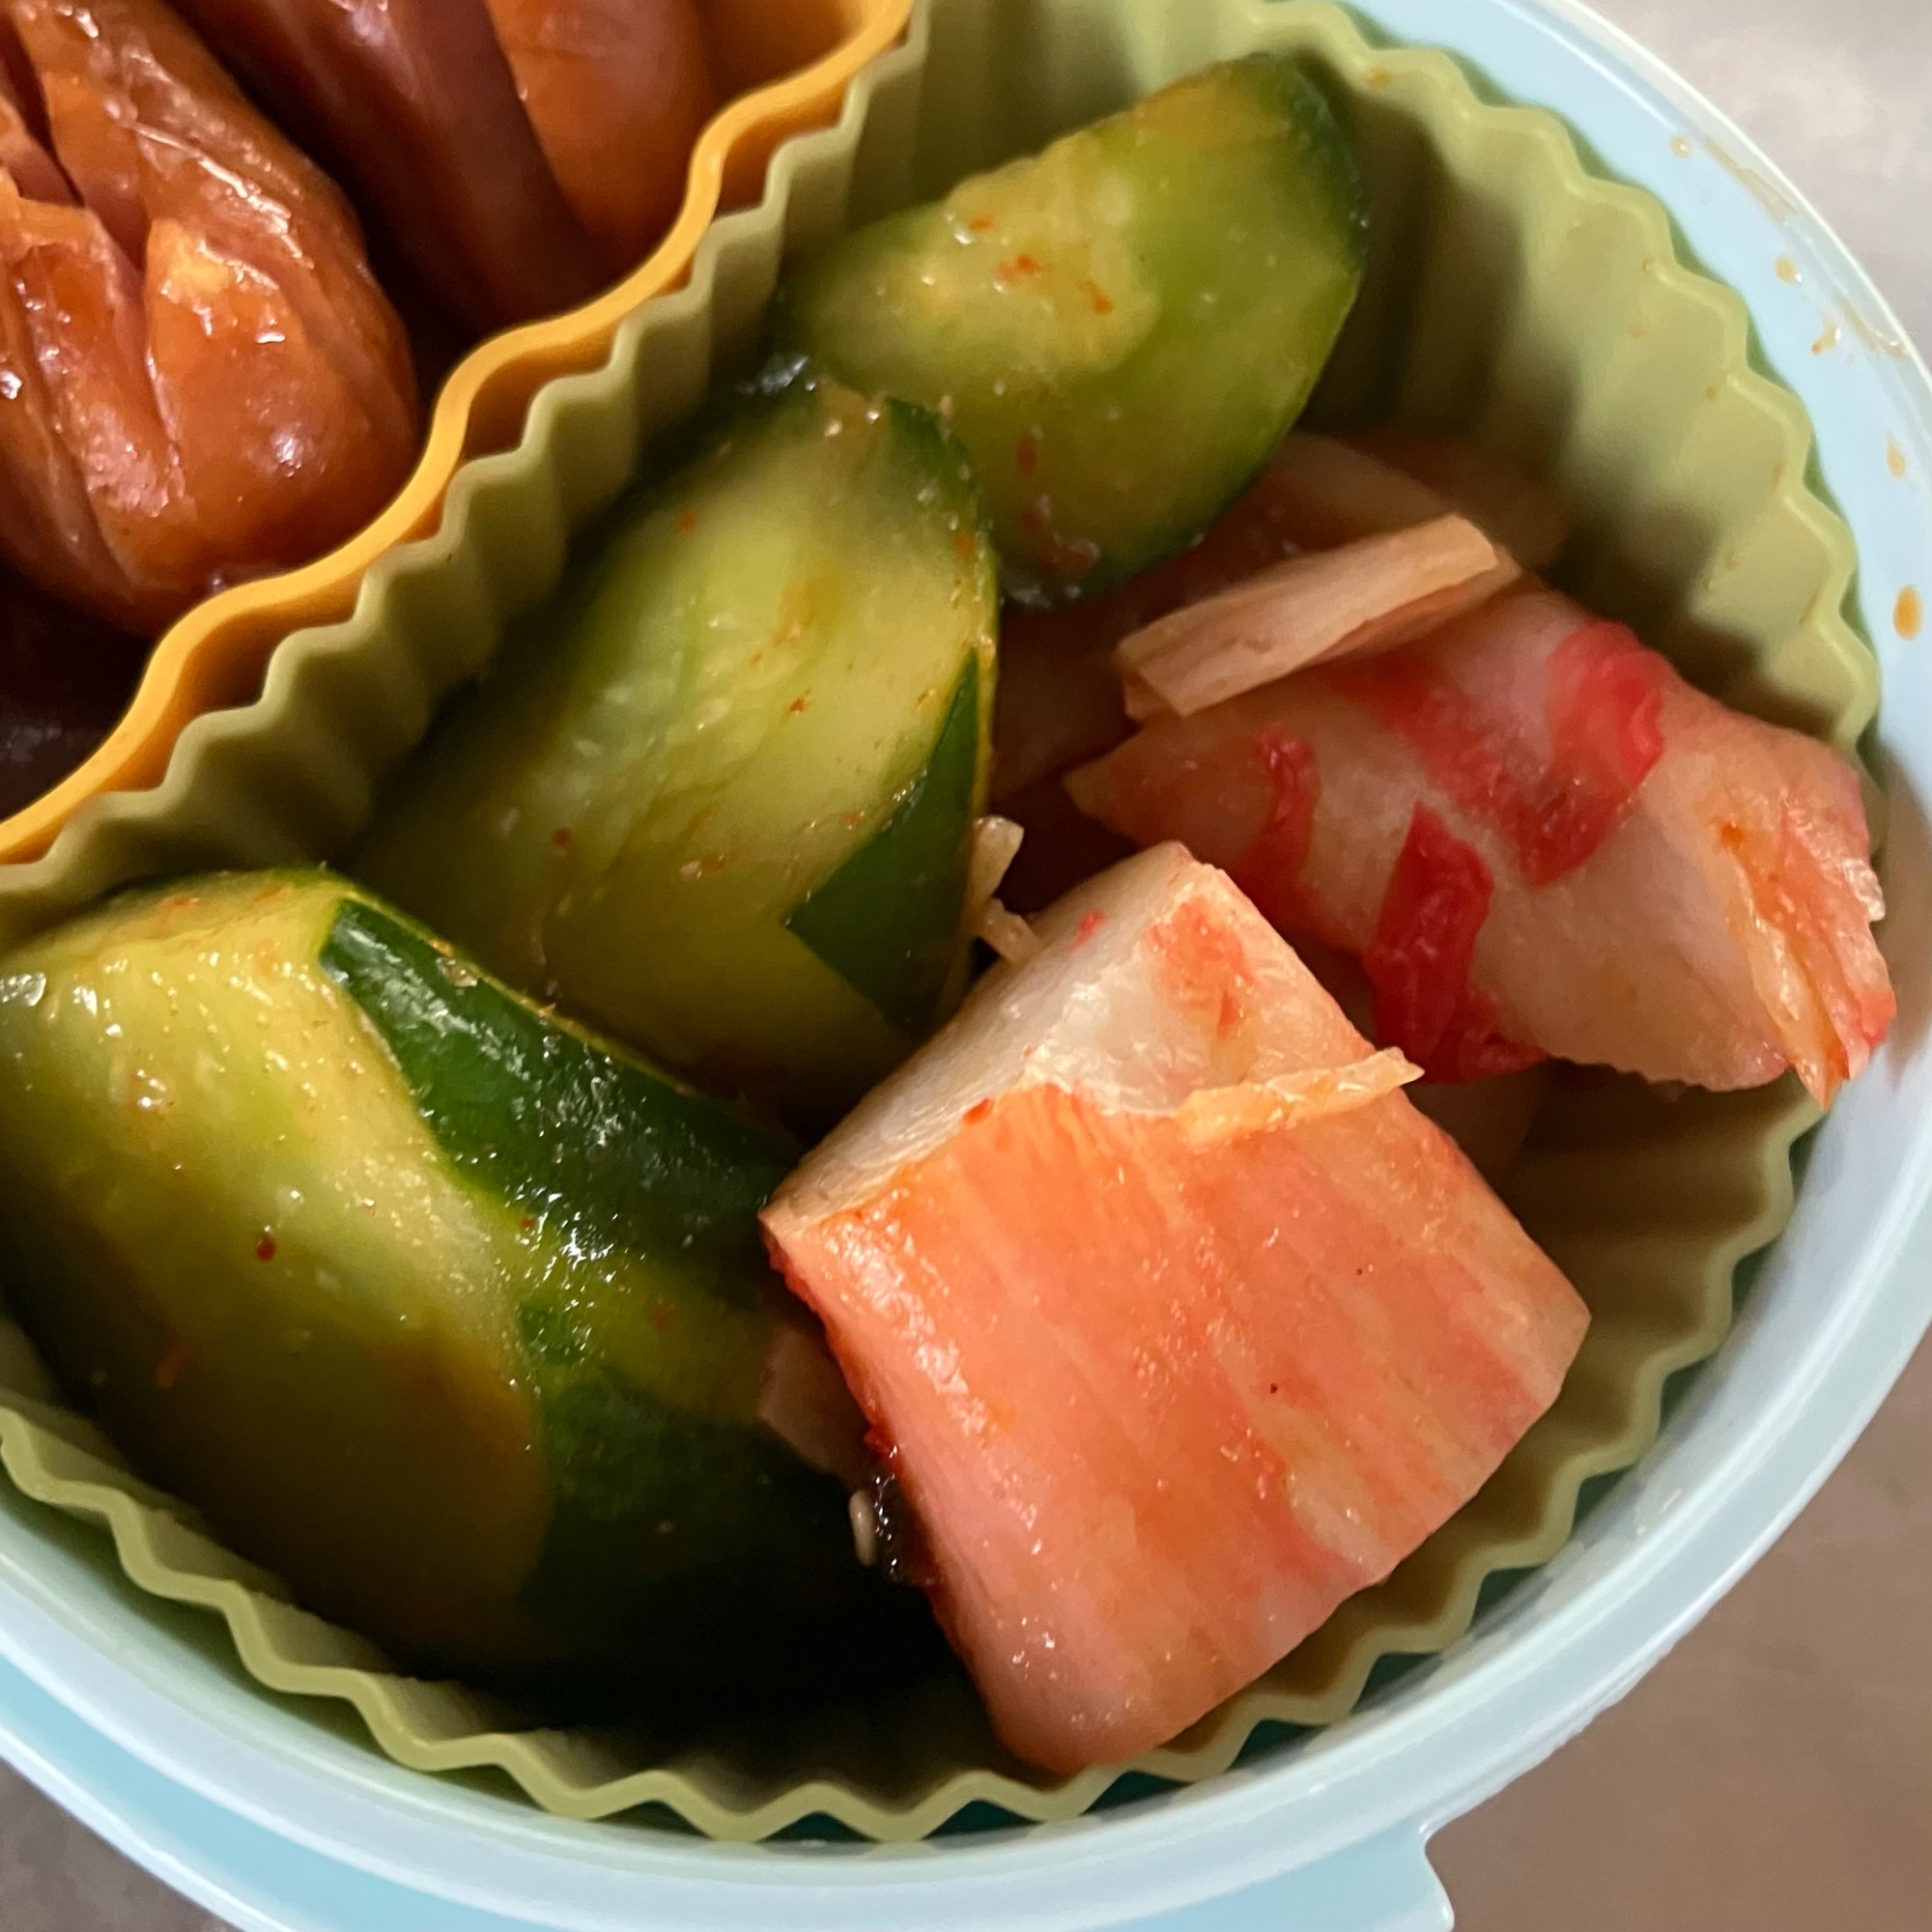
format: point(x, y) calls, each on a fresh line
point(1775, 1775)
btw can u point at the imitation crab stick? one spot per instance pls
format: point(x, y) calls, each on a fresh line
point(1174, 1321)
point(1540, 840)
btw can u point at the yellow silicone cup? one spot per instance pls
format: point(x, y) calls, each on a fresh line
point(790, 62)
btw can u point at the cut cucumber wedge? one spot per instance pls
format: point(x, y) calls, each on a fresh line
point(719, 796)
point(454, 1316)
point(1120, 328)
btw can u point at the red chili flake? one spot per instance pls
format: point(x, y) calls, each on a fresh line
point(687, 522)
point(174, 1360)
point(1026, 453)
point(1434, 906)
point(980, 223)
point(975, 1113)
point(1103, 302)
point(660, 1316)
point(560, 838)
point(964, 545)
point(1019, 267)
point(799, 705)
point(527, 1224)
point(1091, 923)
point(264, 1248)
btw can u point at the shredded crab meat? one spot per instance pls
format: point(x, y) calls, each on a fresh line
point(1370, 595)
point(1218, 1114)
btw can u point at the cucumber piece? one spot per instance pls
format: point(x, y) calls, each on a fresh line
point(885, 919)
point(1120, 328)
point(717, 796)
point(454, 1316)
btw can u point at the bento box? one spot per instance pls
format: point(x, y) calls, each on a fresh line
point(1703, 522)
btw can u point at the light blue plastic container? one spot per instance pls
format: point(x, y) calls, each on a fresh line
point(199, 1775)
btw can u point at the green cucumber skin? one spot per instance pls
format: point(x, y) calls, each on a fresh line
point(747, 673)
point(1121, 330)
point(620, 1154)
point(887, 920)
point(454, 1316)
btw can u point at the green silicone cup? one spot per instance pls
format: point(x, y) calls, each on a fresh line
point(1512, 294)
